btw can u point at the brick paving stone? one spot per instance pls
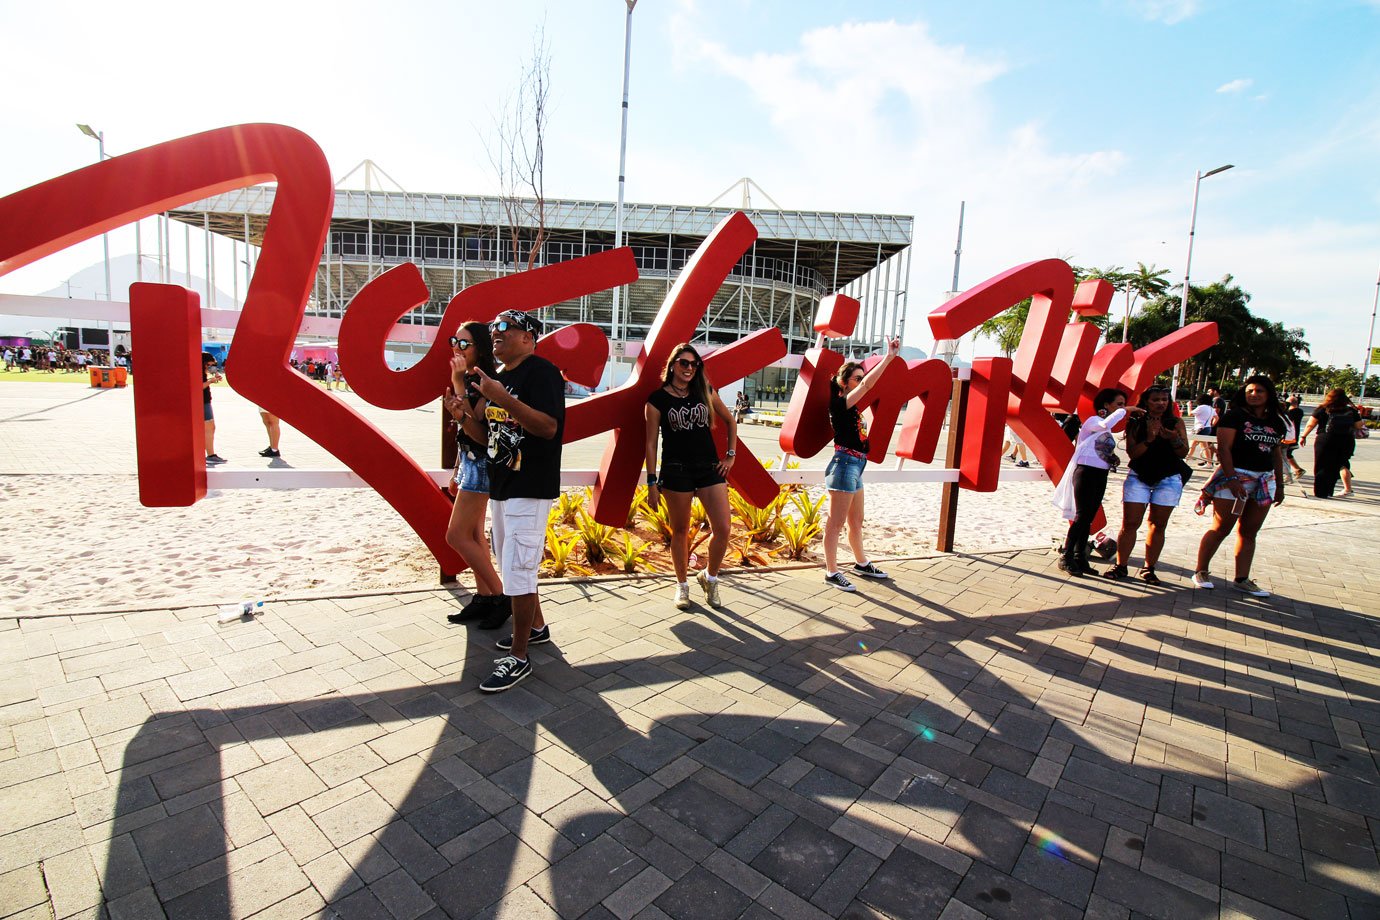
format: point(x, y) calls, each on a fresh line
point(703, 811)
point(1229, 818)
point(446, 818)
point(908, 885)
point(702, 895)
point(801, 857)
point(180, 842)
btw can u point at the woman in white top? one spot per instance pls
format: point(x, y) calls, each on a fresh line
point(1094, 453)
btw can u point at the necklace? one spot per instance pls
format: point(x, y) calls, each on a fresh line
point(679, 392)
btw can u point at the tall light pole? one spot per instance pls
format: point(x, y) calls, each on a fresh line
point(1370, 340)
point(99, 138)
point(1188, 264)
point(622, 158)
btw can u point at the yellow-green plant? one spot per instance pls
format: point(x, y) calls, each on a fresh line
point(758, 524)
point(796, 536)
point(658, 519)
point(743, 552)
point(698, 515)
point(559, 549)
point(630, 554)
point(811, 512)
point(595, 536)
point(639, 497)
point(568, 507)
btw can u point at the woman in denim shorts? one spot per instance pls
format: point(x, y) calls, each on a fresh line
point(1156, 442)
point(472, 349)
point(843, 475)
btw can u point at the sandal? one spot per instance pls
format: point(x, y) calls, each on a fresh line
point(1116, 573)
point(1148, 576)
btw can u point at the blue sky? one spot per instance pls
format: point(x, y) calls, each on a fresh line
point(1071, 129)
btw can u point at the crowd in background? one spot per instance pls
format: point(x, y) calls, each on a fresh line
point(54, 358)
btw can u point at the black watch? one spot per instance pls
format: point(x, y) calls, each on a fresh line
point(651, 479)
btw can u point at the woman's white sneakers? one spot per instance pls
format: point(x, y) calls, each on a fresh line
point(1203, 580)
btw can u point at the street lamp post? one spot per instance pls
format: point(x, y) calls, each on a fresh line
point(99, 138)
point(1370, 340)
point(1188, 264)
point(622, 159)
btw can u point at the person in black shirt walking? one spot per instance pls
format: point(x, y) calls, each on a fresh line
point(1337, 422)
point(472, 351)
point(843, 476)
point(525, 412)
point(683, 412)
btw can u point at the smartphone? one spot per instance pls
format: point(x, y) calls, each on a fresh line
point(1238, 506)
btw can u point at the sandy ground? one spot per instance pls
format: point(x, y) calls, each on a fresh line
point(76, 538)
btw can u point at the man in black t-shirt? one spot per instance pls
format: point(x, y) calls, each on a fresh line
point(525, 410)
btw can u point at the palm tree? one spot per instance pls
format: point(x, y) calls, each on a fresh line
point(1006, 328)
point(1144, 283)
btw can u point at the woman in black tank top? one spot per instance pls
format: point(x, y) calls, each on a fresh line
point(1156, 443)
point(683, 414)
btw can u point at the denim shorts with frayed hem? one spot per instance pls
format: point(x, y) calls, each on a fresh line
point(844, 472)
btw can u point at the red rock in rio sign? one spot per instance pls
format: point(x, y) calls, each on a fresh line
point(1054, 367)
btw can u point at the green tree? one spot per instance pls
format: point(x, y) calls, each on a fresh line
point(1006, 328)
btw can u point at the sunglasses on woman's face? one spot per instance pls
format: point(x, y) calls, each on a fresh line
point(689, 364)
point(457, 342)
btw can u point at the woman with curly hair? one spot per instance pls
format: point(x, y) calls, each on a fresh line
point(683, 412)
point(1249, 479)
point(1337, 422)
point(1156, 444)
point(472, 350)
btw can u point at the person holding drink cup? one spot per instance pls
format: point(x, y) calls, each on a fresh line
point(1249, 479)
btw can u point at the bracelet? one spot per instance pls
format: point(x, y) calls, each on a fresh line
point(651, 479)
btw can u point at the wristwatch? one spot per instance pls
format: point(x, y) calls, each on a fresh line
point(730, 453)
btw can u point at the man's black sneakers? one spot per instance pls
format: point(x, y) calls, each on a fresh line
point(535, 637)
point(269, 452)
point(507, 672)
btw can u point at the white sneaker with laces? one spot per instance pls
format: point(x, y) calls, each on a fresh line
point(711, 588)
point(682, 596)
point(1246, 586)
point(1203, 580)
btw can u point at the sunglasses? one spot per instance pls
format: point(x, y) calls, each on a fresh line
point(689, 364)
point(457, 342)
point(504, 325)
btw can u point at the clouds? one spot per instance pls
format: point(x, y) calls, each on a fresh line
point(1168, 12)
point(1236, 86)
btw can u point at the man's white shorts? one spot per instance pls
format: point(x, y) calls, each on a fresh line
point(519, 526)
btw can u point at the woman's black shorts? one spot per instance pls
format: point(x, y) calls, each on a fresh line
point(688, 477)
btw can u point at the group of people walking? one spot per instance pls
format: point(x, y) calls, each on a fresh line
point(508, 406)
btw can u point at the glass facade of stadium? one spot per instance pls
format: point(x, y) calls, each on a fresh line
point(461, 240)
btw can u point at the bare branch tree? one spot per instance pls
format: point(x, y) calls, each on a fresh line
point(517, 153)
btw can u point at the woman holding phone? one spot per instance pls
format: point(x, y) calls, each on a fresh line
point(1248, 480)
point(472, 349)
point(1156, 444)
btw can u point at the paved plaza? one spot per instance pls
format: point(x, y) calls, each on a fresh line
point(979, 736)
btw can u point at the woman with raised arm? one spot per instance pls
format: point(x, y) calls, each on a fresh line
point(472, 349)
point(683, 412)
point(1249, 479)
point(1337, 422)
point(843, 476)
point(1093, 455)
point(1156, 444)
